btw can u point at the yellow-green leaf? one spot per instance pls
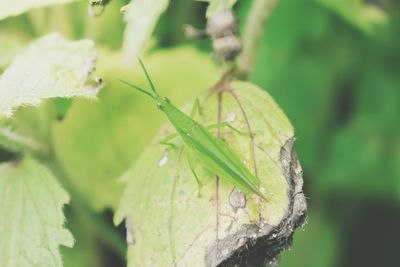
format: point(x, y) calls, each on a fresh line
point(32, 221)
point(16, 7)
point(141, 18)
point(9, 47)
point(50, 67)
point(172, 222)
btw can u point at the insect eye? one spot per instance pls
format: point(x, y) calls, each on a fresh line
point(167, 100)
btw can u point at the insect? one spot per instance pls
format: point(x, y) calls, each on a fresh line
point(213, 154)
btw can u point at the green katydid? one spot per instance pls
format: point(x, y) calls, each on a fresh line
point(215, 155)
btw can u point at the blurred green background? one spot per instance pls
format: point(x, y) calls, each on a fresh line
point(333, 67)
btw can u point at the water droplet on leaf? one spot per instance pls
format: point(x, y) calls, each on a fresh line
point(237, 200)
point(163, 161)
point(230, 117)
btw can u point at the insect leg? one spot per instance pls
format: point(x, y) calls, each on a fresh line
point(225, 124)
point(196, 107)
point(190, 163)
point(167, 139)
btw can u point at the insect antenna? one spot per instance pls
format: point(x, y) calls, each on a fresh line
point(148, 76)
point(137, 88)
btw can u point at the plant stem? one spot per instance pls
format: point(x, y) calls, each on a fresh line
point(253, 30)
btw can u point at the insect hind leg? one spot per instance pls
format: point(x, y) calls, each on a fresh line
point(189, 158)
point(196, 108)
point(167, 140)
point(225, 124)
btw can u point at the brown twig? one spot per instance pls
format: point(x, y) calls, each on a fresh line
point(253, 30)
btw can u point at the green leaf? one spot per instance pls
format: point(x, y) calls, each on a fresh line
point(29, 129)
point(50, 67)
point(358, 13)
point(32, 222)
point(35, 122)
point(171, 221)
point(16, 7)
point(122, 122)
point(9, 47)
point(141, 18)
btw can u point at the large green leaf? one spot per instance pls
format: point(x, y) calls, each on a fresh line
point(50, 67)
point(122, 122)
point(171, 221)
point(141, 18)
point(31, 226)
point(16, 7)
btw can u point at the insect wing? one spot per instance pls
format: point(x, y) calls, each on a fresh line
point(220, 159)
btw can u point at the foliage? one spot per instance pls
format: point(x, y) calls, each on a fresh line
point(120, 120)
point(50, 67)
point(31, 202)
point(340, 89)
point(141, 17)
point(167, 183)
point(331, 65)
point(19, 6)
point(357, 12)
point(10, 44)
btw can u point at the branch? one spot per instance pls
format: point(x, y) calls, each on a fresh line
point(253, 30)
